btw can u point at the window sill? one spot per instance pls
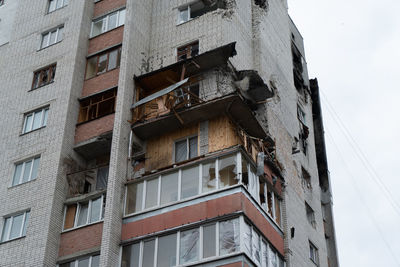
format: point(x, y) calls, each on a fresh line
point(93, 37)
point(43, 85)
point(22, 134)
point(18, 185)
point(82, 226)
point(40, 49)
point(51, 12)
point(10, 240)
point(83, 122)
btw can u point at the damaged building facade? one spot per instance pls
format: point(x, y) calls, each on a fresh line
point(160, 133)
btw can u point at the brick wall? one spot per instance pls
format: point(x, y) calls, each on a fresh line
point(106, 40)
point(103, 7)
point(94, 128)
point(101, 82)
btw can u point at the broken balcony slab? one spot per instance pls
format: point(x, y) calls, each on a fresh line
point(171, 74)
point(95, 147)
point(232, 105)
point(252, 86)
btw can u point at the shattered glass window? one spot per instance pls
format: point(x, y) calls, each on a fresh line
point(189, 246)
point(229, 237)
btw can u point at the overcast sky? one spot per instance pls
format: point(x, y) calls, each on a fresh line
point(353, 48)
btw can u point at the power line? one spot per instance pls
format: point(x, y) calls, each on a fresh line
point(358, 191)
point(361, 156)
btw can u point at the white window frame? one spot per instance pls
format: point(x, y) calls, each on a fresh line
point(105, 22)
point(43, 121)
point(89, 213)
point(187, 139)
point(23, 225)
point(57, 31)
point(314, 259)
point(75, 262)
point(64, 3)
point(23, 163)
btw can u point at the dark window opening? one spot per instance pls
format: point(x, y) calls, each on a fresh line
point(103, 62)
point(97, 106)
point(188, 51)
point(44, 76)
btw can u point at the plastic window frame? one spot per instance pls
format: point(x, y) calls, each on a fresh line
point(24, 222)
point(57, 30)
point(105, 19)
point(64, 3)
point(76, 261)
point(31, 159)
point(42, 121)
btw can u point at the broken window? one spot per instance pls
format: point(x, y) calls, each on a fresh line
point(35, 120)
point(229, 237)
point(26, 171)
point(189, 246)
point(103, 62)
point(83, 213)
point(310, 215)
point(108, 22)
point(102, 178)
point(313, 253)
point(186, 149)
point(56, 4)
point(52, 37)
point(227, 171)
point(297, 60)
point(134, 198)
point(301, 115)
point(246, 238)
point(43, 76)
point(188, 51)
point(98, 105)
point(256, 247)
point(209, 180)
point(187, 96)
point(197, 9)
point(15, 226)
point(305, 179)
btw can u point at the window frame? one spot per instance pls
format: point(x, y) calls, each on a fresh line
point(52, 70)
point(23, 163)
point(75, 263)
point(106, 20)
point(43, 119)
point(310, 214)
point(79, 205)
point(187, 139)
point(97, 56)
point(64, 3)
point(49, 32)
point(314, 257)
point(188, 50)
point(24, 226)
point(96, 105)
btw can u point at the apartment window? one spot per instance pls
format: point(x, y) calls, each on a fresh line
point(103, 62)
point(35, 120)
point(84, 213)
point(89, 261)
point(52, 37)
point(306, 179)
point(188, 51)
point(15, 226)
point(108, 22)
point(310, 215)
point(97, 106)
point(43, 76)
point(186, 149)
point(301, 115)
point(56, 4)
point(26, 171)
point(195, 10)
point(314, 253)
point(2, 2)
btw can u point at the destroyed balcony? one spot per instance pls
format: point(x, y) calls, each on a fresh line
point(87, 181)
point(166, 100)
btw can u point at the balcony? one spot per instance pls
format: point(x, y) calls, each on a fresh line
point(87, 181)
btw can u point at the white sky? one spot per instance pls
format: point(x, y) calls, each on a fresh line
point(353, 48)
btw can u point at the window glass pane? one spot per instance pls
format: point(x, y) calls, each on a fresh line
point(264, 255)
point(148, 253)
point(281, 262)
point(83, 262)
point(46, 111)
point(151, 193)
point(209, 241)
point(247, 239)
point(59, 3)
point(95, 261)
point(16, 226)
point(35, 83)
point(37, 120)
point(25, 223)
point(112, 21)
point(229, 237)
point(6, 228)
point(227, 171)
point(189, 246)
point(278, 210)
point(256, 249)
point(134, 198)
point(183, 15)
point(209, 180)
point(91, 67)
point(130, 256)
point(112, 60)
point(193, 147)
point(245, 173)
point(102, 178)
point(17, 174)
point(180, 151)
point(45, 40)
point(272, 257)
point(28, 123)
point(65, 2)
point(27, 171)
point(121, 20)
point(95, 210)
point(52, 5)
point(169, 188)
point(166, 251)
point(97, 27)
point(102, 65)
point(190, 182)
point(83, 212)
point(68, 264)
point(60, 34)
point(53, 37)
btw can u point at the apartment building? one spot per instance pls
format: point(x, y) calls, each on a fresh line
point(160, 133)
